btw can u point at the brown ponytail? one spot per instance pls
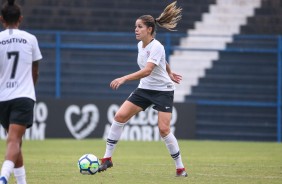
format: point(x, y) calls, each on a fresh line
point(168, 19)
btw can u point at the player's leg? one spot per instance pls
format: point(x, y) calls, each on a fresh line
point(170, 141)
point(13, 149)
point(19, 170)
point(20, 118)
point(125, 112)
point(4, 121)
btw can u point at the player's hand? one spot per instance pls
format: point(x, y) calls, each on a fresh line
point(175, 77)
point(117, 82)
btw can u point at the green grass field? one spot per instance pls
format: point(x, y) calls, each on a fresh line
point(55, 161)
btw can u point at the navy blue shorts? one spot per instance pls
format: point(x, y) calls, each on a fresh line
point(162, 100)
point(17, 111)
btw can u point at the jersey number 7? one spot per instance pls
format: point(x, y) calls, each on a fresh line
point(15, 64)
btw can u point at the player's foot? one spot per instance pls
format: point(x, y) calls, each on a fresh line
point(3, 180)
point(181, 172)
point(105, 164)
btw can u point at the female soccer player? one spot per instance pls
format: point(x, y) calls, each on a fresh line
point(156, 86)
point(19, 57)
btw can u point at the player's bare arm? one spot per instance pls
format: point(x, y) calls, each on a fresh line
point(35, 71)
point(133, 76)
point(173, 76)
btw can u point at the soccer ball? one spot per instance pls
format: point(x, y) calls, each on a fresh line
point(88, 164)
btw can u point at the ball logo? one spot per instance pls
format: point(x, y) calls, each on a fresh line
point(88, 117)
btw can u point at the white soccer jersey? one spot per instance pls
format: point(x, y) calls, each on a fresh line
point(18, 49)
point(159, 79)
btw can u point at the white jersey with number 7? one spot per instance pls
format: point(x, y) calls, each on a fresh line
point(18, 49)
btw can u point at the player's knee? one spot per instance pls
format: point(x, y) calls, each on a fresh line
point(121, 118)
point(164, 130)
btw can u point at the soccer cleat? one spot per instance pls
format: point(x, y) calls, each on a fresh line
point(3, 180)
point(181, 172)
point(105, 164)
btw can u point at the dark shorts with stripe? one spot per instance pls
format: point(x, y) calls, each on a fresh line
point(162, 100)
point(17, 111)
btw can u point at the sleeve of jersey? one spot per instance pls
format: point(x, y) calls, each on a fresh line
point(155, 54)
point(36, 53)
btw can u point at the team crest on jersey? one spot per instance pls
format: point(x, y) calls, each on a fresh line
point(148, 54)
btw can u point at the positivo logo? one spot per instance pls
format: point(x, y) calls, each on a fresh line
point(81, 122)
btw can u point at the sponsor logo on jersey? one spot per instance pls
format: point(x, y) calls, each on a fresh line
point(148, 54)
point(13, 40)
point(13, 84)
